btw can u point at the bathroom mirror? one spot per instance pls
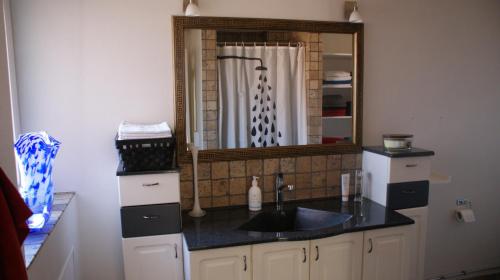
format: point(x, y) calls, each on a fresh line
point(251, 88)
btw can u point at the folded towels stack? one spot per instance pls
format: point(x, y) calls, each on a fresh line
point(130, 131)
point(337, 78)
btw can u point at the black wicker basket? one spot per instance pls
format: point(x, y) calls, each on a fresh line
point(146, 154)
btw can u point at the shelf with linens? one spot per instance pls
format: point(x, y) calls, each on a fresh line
point(337, 97)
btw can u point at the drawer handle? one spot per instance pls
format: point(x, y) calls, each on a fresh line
point(409, 191)
point(371, 245)
point(305, 256)
point(151, 217)
point(175, 248)
point(151, 184)
point(412, 165)
point(317, 253)
point(244, 263)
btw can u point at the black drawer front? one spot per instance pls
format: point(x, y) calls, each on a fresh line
point(407, 195)
point(147, 220)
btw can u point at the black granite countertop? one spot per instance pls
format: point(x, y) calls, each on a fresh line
point(219, 227)
point(413, 152)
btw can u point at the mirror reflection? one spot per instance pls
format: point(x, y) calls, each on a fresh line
point(268, 88)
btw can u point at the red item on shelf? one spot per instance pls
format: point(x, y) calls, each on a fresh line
point(331, 140)
point(334, 112)
point(13, 230)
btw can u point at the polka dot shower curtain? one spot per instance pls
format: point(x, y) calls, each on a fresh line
point(262, 96)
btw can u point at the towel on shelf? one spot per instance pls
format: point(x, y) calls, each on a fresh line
point(130, 131)
point(336, 74)
point(13, 230)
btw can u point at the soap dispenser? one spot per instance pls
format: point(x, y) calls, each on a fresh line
point(255, 196)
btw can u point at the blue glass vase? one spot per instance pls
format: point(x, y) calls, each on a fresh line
point(35, 153)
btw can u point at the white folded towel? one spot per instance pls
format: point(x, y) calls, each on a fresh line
point(339, 79)
point(339, 74)
point(128, 131)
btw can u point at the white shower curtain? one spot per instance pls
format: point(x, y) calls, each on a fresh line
point(261, 107)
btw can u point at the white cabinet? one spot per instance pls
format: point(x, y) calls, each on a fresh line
point(153, 257)
point(281, 261)
point(386, 254)
point(417, 240)
point(231, 263)
point(337, 258)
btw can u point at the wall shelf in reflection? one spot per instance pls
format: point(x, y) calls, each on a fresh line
point(346, 55)
point(337, 86)
point(338, 117)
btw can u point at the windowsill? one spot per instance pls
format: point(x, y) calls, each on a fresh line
point(35, 240)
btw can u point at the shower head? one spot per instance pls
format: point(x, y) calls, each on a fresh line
point(262, 68)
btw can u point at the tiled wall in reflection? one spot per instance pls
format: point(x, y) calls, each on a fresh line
point(226, 183)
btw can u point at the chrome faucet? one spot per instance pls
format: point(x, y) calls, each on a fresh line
point(278, 187)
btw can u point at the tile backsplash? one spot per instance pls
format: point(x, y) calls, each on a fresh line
point(226, 183)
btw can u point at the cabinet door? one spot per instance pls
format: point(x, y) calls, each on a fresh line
point(337, 258)
point(386, 254)
point(153, 257)
point(232, 263)
point(281, 261)
point(417, 241)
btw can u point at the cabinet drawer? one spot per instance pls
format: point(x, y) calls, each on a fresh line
point(149, 189)
point(409, 169)
point(150, 220)
point(407, 195)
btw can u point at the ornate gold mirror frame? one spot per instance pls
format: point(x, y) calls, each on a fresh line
point(181, 23)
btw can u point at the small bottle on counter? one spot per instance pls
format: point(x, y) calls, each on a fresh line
point(345, 186)
point(255, 196)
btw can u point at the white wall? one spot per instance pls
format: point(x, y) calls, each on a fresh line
point(7, 160)
point(85, 65)
point(431, 69)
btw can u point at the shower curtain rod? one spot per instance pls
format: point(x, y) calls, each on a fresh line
point(249, 44)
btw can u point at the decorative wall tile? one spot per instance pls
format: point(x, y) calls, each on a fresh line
point(186, 172)
point(348, 161)
point(203, 171)
point(238, 199)
point(205, 188)
point(271, 166)
point(220, 201)
point(318, 193)
point(206, 202)
point(303, 194)
point(303, 180)
point(237, 186)
point(287, 165)
point(318, 163)
point(333, 178)
point(220, 187)
point(303, 164)
point(254, 167)
point(268, 183)
point(333, 162)
point(318, 179)
point(220, 170)
point(187, 189)
point(237, 168)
